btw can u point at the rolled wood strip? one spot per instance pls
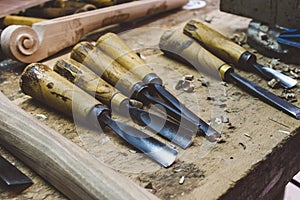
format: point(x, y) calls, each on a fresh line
point(49, 37)
point(69, 168)
point(87, 80)
point(105, 67)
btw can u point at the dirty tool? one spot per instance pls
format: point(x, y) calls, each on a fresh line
point(13, 179)
point(128, 83)
point(233, 53)
point(116, 48)
point(43, 84)
point(173, 42)
point(88, 81)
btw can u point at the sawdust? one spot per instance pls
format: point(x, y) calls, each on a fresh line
point(167, 185)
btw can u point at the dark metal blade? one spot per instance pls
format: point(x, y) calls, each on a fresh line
point(211, 134)
point(12, 177)
point(175, 133)
point(152, 147)
point(285, 81)
point(264, 95)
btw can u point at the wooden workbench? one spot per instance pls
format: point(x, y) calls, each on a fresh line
point(257, 157)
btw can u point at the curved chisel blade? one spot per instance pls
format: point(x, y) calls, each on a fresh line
point(175, 133)
point(152, 147)
point(211, 134)
point(285, 81)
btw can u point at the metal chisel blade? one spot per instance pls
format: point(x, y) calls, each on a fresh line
point(265, 95)
point(13, 178)
point(285, 81)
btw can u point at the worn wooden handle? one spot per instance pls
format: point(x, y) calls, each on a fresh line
point(43, 84)
point(69, 168)
point(90, 82)
point(215, 42)
point(178, 45)
point(117, 49)
point(105, 67)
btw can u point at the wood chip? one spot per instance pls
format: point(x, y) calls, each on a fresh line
point(181, 181)
point(273, 83)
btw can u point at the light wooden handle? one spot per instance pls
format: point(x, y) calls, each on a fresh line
point(117, 49)
point(46, 38)
point(69, 168)
point(105, 67)
point(215, 42)
point(87, 80)
point(43, 84)
point(181, 46)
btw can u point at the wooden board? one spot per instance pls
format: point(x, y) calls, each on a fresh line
point(260, 151)
point(8, 7)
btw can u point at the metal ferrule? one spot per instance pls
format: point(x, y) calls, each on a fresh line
point(152, 78)
point(97, 112)
point(246, 61)
point(137, 91)
point(224, 70)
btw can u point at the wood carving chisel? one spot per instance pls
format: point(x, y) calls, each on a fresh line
point(12, 177)
point(88, 81)
point(128, 83)
point(65, 165)
point(45, 85)
point(233, 53)
point(117, 49)
point(176, 43)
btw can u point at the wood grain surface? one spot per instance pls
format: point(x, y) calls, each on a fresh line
point(259, 153)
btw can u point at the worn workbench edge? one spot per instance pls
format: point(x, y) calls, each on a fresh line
point(258, 184)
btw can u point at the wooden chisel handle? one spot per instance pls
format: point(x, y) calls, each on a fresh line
point(105, 67)
point(215, 42)
point(69, 168)
point(117, 49)
point(179, 45)
point(43, 84)
point(87, 80)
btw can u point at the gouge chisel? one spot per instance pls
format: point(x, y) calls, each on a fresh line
point(129, 84)
point(176, 43)
point(88, 81)
point(13, 179)
point(65, 165)
point(45, 85)
point(233, 53)
point(117, 49)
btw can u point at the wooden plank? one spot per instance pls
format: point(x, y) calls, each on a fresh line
point(8, 7)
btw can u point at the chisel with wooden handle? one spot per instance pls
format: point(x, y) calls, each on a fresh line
point(123, 80)
point(233, 53)
point(117, 49)
point(88, 81)
point(176, 43)
point(68, 167)
point(43, 84)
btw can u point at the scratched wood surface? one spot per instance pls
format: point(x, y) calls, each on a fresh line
point(8, 7)
point(256, 159)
